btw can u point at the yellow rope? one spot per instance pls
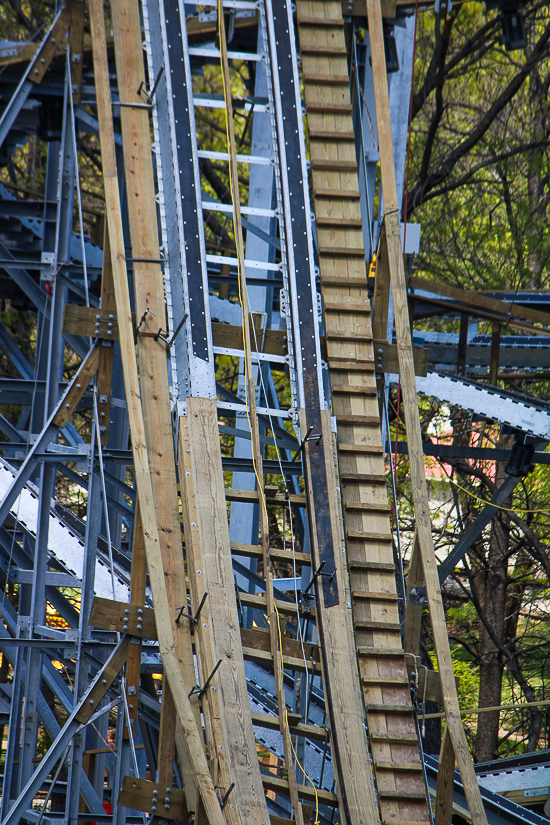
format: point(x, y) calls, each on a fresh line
point(242, 284)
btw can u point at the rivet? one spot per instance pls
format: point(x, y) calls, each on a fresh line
point(78, 386)
point(104, 681)
point(91, 701)
point(153, 808)
point(68, 406)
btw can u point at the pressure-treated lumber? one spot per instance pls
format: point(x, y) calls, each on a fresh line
point(412, 418)
point(362, 473)
point(165, 617)
point(149, 295)
point(230, 731)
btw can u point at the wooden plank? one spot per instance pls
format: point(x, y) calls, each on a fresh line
point(477, 299)
point(77, 387)
point(445, 781)
point(50, 45)
point(413, 610)
point(144, 795)
point(91, 322)
point(216, 636)
point(106, 352)
point(149, 294)
point(103, 680)
point(138, 586)
point(123, 617)
point(362, 472)
point(76, 44)
point(167, 640)
point(341, 684)
point(412, 419)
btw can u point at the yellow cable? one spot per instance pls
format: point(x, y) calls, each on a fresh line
point(497, 506)
point(259, 482)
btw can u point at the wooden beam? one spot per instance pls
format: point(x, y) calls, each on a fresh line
point(477, 299)
point(157, 573)
point(229, 727)
point(149, 294)
point(107, 351)
point(78, 387)
point(412, 418)
point(413, 610)
point(445, 781)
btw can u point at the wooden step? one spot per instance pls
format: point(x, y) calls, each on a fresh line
point(338, 194)
point(337, 166)
point(392, 737)
point(370, 478)
point(356, 534)
point(367, 506)
point(321, 22)
point(345, 364)
point(326, 79)
point(364, 564)
point(343, 282)
point(371, 624)
point(369, 449)
point(275, 783)
point(375, 652)
point(383, 708)
point(398, 766)
point(339, 335)
point(329, 109)
point(348, 418)
point(385, 680)
point(374, 595)
point(321, 134)
point(353, 389)
point(347, 223)
point(347, 306)
point(402, 795)
point(343, 251)
point(324, 50)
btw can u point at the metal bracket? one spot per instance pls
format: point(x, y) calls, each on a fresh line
point(193, 620)
point(200, 691)
point(418, 595)
point(316, 575)
point(164, 337)
point(225, 797)
point(150, 96)
point(308, 437)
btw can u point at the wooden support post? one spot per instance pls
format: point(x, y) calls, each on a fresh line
point(76, 43)
point(445, 781)
point(495, 351)
point(381, 300)
point(462, 351)
point(149, 294)
point(412, 418)
point(413, 611)
point(157, 573)
point(138, 583)
point(230, 734)
point(106, 352)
